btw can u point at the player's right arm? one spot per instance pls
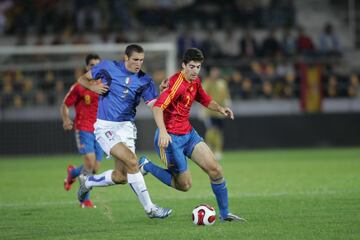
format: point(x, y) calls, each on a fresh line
point(168, 95)
point(86, 81)
point(164, 84)
point(69, 100)
point(67, 122)
point(164, 137)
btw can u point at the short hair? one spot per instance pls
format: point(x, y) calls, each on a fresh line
point(193, 54)
point(90, 57)
point(133, 48)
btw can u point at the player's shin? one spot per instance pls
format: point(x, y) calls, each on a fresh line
point(76, 171)
point(137, 183)
point(162, 174)
point(100, 180)
point(221, 193)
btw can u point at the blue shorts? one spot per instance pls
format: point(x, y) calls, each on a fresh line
point(181, 147)
point(87, 143)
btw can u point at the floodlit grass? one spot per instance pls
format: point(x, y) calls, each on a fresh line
point(284, 194)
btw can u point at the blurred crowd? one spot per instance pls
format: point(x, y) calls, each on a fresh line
point(23, 89)
point(282, 81)
point(249, 82)
point(68, 18)
point(288, 42)
point(256, 43)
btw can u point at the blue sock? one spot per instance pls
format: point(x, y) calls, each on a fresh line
point(221, 194)
point(87, 196)
point(76, 172)
point(162, 174)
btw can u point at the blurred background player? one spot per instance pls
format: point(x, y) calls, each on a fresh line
point(176, 139)
point(123, 84)
point(218, 89)
point(85, 103)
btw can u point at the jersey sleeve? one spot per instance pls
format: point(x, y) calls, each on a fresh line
point(100, 71)
point(170, 94)
point(202, 97)
point(72, 96)
point(150, 92)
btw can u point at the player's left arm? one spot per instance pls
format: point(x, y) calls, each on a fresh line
point(150, 94)
point(211, 104)
point(226, 111)
point(86, 81)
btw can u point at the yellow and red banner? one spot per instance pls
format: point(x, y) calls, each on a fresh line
point(311, 87)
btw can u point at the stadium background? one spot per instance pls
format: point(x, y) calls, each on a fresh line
point(292, 156)
point(292, 66)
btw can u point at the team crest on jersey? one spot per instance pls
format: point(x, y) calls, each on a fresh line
point(109, 135)
point(127, 80)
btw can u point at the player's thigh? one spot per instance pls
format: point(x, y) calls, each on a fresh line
point(205, 159)
point(85, 142)
point(123, 154)
point(109, 134)
point(173, 156)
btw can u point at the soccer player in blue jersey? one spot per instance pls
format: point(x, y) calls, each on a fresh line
point(122, 86)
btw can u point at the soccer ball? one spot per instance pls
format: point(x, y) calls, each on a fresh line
point(203, 215)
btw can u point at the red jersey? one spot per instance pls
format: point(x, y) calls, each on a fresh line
point(176, 102)
point(86, 105)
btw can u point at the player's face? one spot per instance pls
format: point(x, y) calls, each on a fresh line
point(134, 62)
point(191, 70)
point(92, 63)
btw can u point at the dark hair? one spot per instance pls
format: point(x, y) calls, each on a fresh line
point(193, 54)
point(90, 57)
point(133, 48)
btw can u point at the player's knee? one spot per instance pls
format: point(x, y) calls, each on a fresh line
point(185, 186)
point(119, 178)
point(215, 172)
point(132, 165)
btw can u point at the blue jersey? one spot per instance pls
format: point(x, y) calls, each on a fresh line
point(125, 91)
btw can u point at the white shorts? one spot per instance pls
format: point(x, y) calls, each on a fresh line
point(110, 133)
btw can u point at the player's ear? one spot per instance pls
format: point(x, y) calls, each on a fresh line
point(126, 58)
point(183, 65)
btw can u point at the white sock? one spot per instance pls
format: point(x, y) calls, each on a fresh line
point(137, 183)
point(101, 180)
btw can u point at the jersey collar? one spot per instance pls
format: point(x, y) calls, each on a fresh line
point(124, 70)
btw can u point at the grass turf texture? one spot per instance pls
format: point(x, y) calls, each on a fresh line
point(284, 194)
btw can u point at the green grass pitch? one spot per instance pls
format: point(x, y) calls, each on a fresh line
point(284, 194)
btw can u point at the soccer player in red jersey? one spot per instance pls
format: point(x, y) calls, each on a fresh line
point(85, 103)
point(176, 139)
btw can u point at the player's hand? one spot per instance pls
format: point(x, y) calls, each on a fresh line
point(226, 111)
point(164, 139)
point(99, 88)
point(164, 84)
point(68, 124)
